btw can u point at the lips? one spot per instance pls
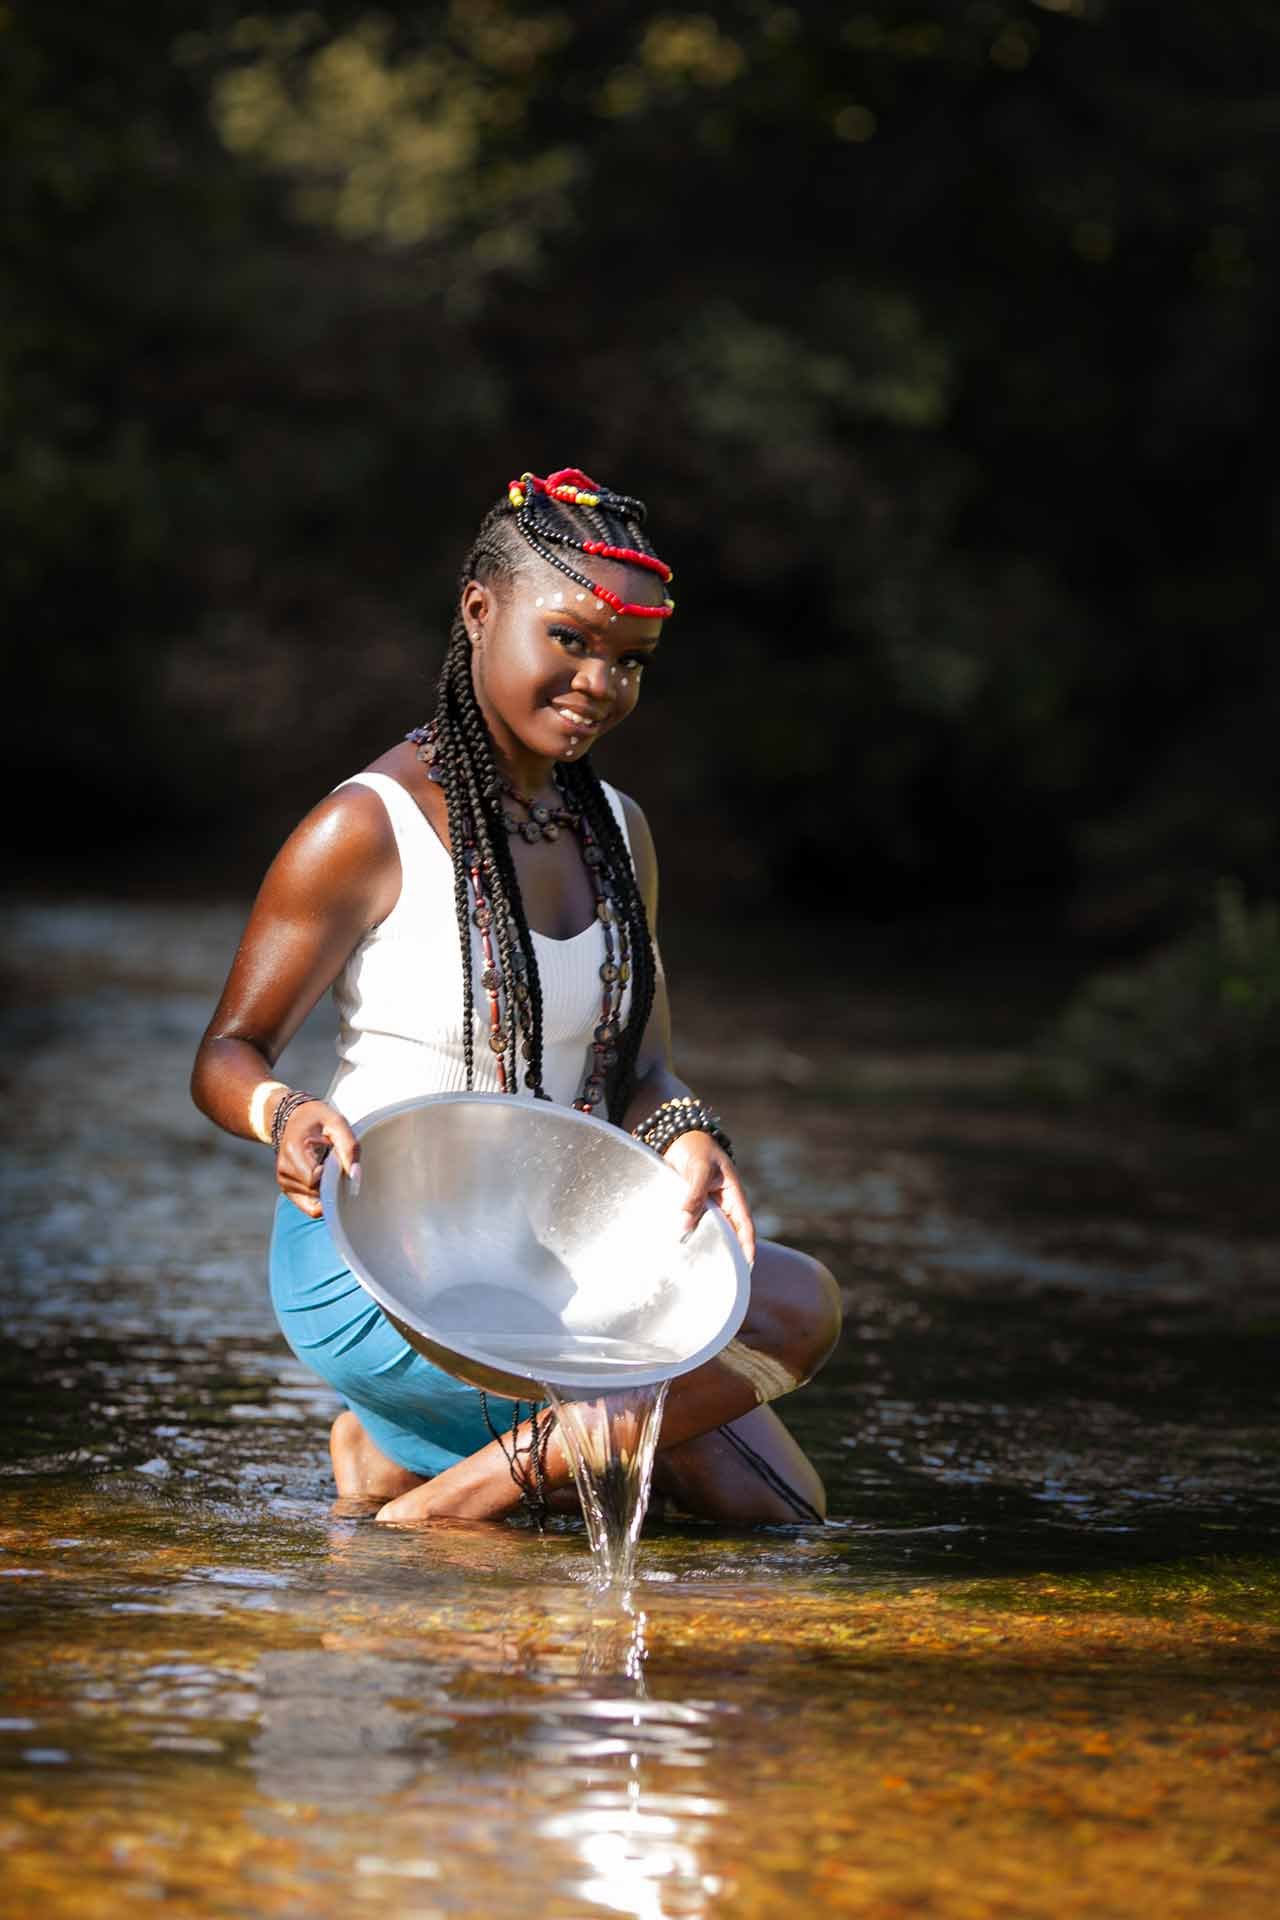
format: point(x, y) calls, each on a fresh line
point(575, 720)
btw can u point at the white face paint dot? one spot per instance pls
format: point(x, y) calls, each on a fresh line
point(557, 599)
point(582, 596)
point(626, 680)
point(599, 606)
point(539, 601)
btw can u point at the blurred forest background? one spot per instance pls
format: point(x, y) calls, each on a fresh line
point(940, 338)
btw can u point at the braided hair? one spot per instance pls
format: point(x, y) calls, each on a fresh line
point(549, 522)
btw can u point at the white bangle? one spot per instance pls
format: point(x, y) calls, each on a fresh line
point(258, 1108)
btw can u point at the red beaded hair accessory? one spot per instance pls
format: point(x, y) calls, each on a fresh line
point(577, 489)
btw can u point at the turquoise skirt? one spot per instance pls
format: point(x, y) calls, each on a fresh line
point(421, 1418)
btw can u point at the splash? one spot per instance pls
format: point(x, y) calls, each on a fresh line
point(611, 1439)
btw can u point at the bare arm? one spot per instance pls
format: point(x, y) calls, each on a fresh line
point(337, 875)
point(709, 1171)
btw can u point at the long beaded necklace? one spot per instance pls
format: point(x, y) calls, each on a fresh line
point(541, 822)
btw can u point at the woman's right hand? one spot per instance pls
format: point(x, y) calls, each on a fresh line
point(311, 1131)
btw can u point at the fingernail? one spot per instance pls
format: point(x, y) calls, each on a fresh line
point(686, 1235)
point(355, 1177)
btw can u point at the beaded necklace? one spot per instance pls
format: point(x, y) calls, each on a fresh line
point(509, 1001)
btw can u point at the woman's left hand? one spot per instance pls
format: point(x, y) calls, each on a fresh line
point(710, 1175)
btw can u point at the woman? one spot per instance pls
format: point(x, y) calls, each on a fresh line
point(483, 906)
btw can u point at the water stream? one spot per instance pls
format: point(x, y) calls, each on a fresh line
point(611, 1439)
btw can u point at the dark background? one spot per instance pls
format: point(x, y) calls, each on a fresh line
point(940, 339)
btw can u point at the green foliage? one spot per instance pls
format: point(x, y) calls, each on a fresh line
point(938, 339)
point(1195, 1028)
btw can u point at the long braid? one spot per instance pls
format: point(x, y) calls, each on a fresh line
point(508, 901)
point(469, 780)
point(582, 784)
point(455, 803)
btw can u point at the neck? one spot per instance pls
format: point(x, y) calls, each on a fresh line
point(528, 771)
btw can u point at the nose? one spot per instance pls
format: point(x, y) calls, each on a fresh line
point(595, 678)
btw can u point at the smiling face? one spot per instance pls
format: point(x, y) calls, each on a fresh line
point(554, 670)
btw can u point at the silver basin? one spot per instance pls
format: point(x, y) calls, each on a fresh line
point(515, 1242)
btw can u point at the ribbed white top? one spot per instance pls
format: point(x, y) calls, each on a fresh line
point(399, 997)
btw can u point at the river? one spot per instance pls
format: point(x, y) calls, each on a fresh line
point(1029, 1668)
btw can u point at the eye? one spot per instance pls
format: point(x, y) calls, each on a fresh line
point(569, 637)
point(633, 662)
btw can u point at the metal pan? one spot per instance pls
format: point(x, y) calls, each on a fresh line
point(515, 1242)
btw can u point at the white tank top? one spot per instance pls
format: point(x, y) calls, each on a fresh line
point(399, 997)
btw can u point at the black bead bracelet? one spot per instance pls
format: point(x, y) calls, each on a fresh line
point(285, 1108)
point(684, 1114)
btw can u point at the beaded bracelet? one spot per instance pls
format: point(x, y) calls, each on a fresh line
point(284, 1110)
point(682, 1115)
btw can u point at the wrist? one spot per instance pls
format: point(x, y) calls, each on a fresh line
point(685, 1114)
point(266, 1096)
point(285, 1109)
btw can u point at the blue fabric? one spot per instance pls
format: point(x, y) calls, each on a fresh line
point(421, 1418)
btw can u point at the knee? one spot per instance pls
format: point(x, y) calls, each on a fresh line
point(822, 1313)
point(803, 1307)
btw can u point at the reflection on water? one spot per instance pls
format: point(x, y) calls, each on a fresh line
point(1031, 1661)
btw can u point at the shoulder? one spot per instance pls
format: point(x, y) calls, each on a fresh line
point(357, 814)
point(342, 854)
point(353, 817)
point(643, 852)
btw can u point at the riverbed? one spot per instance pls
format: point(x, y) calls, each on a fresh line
point(1028, 1668)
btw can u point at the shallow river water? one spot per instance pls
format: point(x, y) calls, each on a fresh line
point(1028, 1668)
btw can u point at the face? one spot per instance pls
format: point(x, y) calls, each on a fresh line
point(554, 669)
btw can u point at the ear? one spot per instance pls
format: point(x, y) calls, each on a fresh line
point(476, 606)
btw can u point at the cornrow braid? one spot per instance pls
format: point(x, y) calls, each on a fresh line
point(566, 511)
point(545, 529)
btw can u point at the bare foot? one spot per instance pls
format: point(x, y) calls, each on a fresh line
point(455, 1494)
point(361, 1469)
